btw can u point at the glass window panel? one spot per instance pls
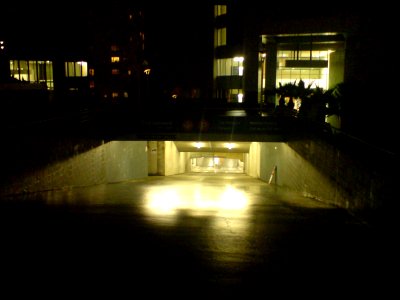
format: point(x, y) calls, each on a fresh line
point(49, 75)
point(220, 37)
point(235, 70)
point(41, 67)
point(32, 71)
point(84, 69)
point(71, 69)
point(219, 10)
point(78, 69)
point(14, 69)
point(23, 70)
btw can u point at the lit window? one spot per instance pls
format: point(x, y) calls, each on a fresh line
point(76, 69)
point(114, 59)
point(219, 10)
point(115, 71)
point(114, 95)
point(33, 71)
point(114, 48)
point(220, 37)
point(229, 145)
point(230, 66)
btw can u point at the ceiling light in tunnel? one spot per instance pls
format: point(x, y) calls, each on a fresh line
point(198, 145)
point(229, 145)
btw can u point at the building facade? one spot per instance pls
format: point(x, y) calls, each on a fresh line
point(255, 48)
point(94, 53)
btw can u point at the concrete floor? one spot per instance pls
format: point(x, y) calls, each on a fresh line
point(214, 236)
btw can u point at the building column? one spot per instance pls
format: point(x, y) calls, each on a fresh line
point(270, 73)
point(250, 75)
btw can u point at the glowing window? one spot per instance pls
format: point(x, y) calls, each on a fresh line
point(316, 76)
point(33, 71)
point(115, 71)
point(219, 10)
point(220, 37)
point(114, 59)
point(230, 66)
point(76, 69)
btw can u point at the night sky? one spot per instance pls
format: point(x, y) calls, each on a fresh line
point(179, 40)
point(178, 44)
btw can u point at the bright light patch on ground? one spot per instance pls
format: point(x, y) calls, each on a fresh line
point(213, 199)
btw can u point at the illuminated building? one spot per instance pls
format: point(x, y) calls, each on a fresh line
point(256, 47)
point(81, 54)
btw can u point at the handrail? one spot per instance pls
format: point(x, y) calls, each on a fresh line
point(273, 175)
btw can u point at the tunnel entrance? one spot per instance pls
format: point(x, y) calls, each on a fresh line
point(216, 164)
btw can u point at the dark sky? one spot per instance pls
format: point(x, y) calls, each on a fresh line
point(178, 33)
point(180, 39)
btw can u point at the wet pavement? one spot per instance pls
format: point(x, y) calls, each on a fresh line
point(214, 236)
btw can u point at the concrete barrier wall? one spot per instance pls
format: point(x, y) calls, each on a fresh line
point(363, 183)
point(175, 162)
point(111, 162)
point(319, 170)
point(252, 160)
point(294, 172)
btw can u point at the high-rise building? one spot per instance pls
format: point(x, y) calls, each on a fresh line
point(260, 45)
point(257, 47)
point(79, 53)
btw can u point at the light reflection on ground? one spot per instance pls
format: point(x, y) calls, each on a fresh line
point(195, 199)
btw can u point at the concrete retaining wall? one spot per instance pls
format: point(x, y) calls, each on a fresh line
point(106, 163)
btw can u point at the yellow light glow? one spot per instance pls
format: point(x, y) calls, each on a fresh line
point(229, 145)
point(147, 71)
point(164, 202)
point(232, 199)
point(167, 201)
point(238, 59)
point(114, 59)
point(198, 145)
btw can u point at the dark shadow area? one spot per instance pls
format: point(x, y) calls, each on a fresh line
point(284, 245)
